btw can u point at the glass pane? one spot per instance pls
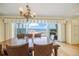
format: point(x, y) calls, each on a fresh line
point(16, 25)
point(20, 25)
point(24, 25)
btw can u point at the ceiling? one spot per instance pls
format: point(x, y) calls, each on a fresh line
point(43, 9)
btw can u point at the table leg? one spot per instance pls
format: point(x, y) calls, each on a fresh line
point(55, 51)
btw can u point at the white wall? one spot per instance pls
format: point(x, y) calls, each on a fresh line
point(5, 30)
point(8, 31)
point(68, 32)
point(13, 30)
point(75, 31)
point(72, 31)
point(61, 32)
point(1, 30)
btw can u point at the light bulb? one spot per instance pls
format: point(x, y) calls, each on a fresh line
point(21, 9)
point(34, 14)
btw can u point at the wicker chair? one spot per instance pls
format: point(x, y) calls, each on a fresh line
point(21, 50)
point(43, 50)
point(29, 35)
point(37, 35)
point(0, 50)
point(20, 36)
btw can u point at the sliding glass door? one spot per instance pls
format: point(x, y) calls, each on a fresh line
point(45, 29)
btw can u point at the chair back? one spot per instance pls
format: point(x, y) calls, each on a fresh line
point(20, 36)
point(37, 35)
point(29, 35)
point(42, 50)
point(0, 50)
point(21, 50)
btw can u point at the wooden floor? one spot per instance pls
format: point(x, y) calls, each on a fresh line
point(68, 50)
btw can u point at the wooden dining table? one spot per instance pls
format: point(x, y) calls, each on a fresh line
point(15, 42)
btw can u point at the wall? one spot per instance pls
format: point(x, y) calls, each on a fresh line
point(61, 32)
point(68, 32)
point(1, 30)
point(72, 31)
point(75, 31)
point(13, 30)
point(5, 31)
point(8, 31)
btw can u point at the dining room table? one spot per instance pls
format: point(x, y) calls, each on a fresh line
point(42, 40)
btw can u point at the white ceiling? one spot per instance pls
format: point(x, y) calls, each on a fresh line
point(43, 9)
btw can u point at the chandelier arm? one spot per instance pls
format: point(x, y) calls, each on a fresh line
point(26, 12)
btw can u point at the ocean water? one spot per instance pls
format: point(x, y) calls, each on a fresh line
point(39, 30)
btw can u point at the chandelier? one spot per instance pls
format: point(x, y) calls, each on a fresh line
point(26, 12)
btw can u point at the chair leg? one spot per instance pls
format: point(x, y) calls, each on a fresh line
point(5, 53)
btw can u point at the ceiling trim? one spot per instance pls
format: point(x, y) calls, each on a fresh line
point(37, 17)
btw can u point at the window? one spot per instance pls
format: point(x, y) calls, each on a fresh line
point(44, 28)
point(20, 28)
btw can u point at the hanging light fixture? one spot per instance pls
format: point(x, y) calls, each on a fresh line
point(26, 12)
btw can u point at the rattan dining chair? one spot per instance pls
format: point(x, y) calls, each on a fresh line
point(43, 50)
point(21, 50)
point(20, 36)
point(1, 50)
point(37, 35)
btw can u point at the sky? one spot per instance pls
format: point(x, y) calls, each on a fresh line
point(42, 26)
